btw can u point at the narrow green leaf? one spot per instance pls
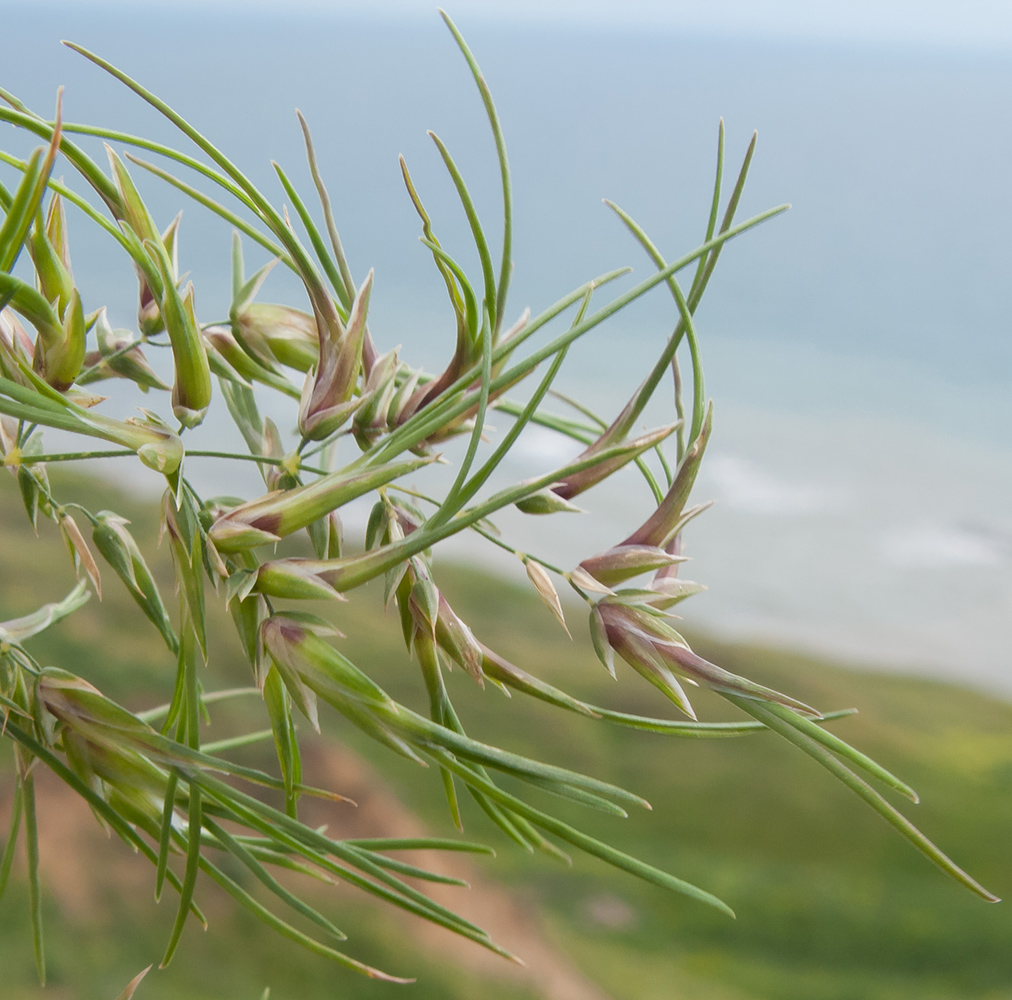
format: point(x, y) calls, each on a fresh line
point(711, 224)
point(454, 498)
point(279, 709)
point(250, 194)
point(581, 840)
point(116, 821)
point(27, 200)
point(220, 210)
point(426, 733)
point(86, 207)
point(451, 285)
point(439, 702)
point(153, 715)
point(419, 844)
point(506, 261)
point(165, 834)
point(696, 730)
point(7, 860)
point(502, 819)
point(262, 913)
point(860, 787)
point(190, 876)
point(413, 871)
point(236, 742)
point(686, 325)
point(477, 232)
point(34, 887)
point(319, 247)
point(732, 207)
point(82, 162)
point(471, 311)
point(346, 287)
point(842, 748)
point(245, 858)
point(414, 430)
point(18, 219)
point(578, 795)
point(482, 475)
point(315, 847)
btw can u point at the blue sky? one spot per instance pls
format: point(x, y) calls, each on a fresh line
point(967, 24)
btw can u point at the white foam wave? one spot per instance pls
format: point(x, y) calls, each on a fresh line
point(744, 485)
point(934, 545)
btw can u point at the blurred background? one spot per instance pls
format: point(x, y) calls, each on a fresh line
point(858, 348)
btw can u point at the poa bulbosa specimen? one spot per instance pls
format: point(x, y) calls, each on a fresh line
point(367, 423)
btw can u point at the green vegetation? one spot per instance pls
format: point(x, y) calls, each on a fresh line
point(188, 739)
point(831, 905)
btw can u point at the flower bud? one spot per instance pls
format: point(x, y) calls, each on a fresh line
point(220, 342)
point(15, 347)
point(270, 333)
point(58, 360)
point(191, 390)
point(10, 454)
point(668, 591)
point(424, 600)
point(247, 615)
point(156, 445)
point(101, 738)
point(285, 511)
point(546, 501)
point(335, 536)
point(81, 554)
point(668, 519)
point(149, 311)
point(31, 495)
point(121, 552)
point(274, 333)
point(117, 358)
point(327, 396)
point(51, 256)
point(132, 209)
point(32, 306)
point(296, 579)
point(623, 562)
point(457, 640)
point(301, 652)
point(643, 643)
point(617, 456)
point(640, 634)
point(80, 705)
point(378, 395)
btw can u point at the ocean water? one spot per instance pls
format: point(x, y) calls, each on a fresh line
point(858, 348)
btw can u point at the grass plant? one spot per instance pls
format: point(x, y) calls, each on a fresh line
point(368, 424)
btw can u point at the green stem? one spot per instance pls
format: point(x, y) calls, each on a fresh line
point(261, 459)
point(75, 456)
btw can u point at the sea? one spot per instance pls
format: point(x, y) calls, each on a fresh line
point(858, 348)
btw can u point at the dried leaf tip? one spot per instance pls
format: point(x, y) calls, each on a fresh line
point(538, 576)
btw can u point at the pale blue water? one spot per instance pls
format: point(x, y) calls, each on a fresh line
point(859, 349)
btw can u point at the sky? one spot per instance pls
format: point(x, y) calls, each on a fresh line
point(974, 24)
point(849, 346)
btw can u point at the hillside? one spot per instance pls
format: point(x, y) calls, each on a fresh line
point(830, 902)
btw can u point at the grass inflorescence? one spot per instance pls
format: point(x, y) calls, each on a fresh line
point(366, 421)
